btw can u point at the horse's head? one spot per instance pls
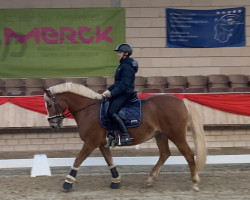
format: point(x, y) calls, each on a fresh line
point(55, 109)
point(56, 103)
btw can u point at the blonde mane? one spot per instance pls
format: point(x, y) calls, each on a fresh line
point(76, 89)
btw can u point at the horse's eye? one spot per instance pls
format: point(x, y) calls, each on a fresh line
point(49, 106)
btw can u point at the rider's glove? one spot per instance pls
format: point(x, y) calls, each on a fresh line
point(104, 94)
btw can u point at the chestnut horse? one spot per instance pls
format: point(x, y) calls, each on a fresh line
point(164, 118)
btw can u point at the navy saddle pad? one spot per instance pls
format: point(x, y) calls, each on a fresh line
point(130, 114)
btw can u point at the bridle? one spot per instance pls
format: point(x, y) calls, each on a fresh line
point(60, 115)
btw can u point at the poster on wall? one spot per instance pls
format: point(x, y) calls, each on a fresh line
point(205, 28)
point(60, 42)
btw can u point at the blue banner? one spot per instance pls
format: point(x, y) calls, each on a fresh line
point(205, 28)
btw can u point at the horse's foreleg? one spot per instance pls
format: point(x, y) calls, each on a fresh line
point(164, 151)
point(71, 178)
point(116, 178)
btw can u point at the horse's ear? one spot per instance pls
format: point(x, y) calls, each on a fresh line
point(47, 92)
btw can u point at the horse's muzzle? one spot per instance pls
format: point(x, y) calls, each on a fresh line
point(56, 125)
point(56, 122)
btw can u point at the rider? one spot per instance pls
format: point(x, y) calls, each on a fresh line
point(122, 89)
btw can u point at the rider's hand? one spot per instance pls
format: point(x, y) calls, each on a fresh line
point(107, 93)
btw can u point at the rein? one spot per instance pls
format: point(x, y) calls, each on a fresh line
point(70, 113)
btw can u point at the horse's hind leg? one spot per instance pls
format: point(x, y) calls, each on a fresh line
point(116, 178)
point(189, 156)
point(82, 155)
point(164, 153)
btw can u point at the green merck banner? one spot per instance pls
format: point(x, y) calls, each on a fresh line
point(60, 42)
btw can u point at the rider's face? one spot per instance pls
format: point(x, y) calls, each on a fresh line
point(120, 55)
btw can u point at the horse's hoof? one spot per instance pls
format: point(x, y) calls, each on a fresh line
point(150, 181)
point(115, 185)
point(196, 188)
point(67, 187)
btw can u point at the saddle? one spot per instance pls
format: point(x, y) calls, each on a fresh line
point(130, 113)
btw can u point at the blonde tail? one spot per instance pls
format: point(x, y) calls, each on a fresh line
point(196, 127)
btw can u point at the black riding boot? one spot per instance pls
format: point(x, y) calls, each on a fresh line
point(125, 137)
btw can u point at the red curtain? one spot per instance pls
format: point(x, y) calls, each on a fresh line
point(3, 100)
point(232, 103)
point(36, 104)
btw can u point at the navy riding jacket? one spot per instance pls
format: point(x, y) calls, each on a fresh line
point(124, 77)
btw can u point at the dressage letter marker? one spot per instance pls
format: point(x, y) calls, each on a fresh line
point(40, 166)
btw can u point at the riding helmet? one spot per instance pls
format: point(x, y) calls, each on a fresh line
point(124, 48)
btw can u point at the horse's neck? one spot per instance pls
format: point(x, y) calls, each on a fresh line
point(76, 102)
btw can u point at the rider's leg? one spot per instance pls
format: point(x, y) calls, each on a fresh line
point(125, 137)
point(115, 106)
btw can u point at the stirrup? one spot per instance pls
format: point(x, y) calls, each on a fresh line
point(122, 141)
